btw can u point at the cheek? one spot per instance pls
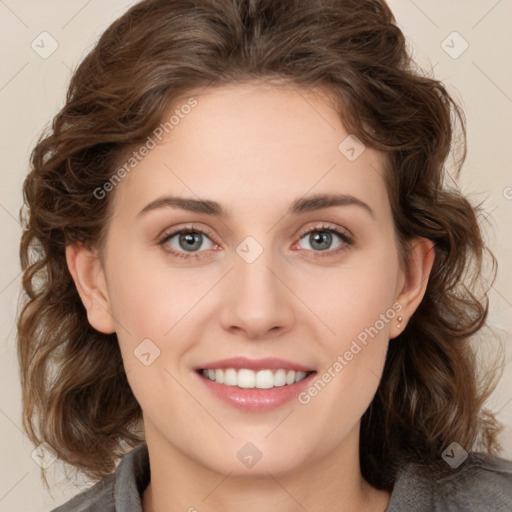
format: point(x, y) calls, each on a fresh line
point(356, 305)
point(353, 361)
point(148, 298)
point(353, 298)
point(159, 304)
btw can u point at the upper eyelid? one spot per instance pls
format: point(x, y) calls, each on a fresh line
point(170, 233)
point(326, 227)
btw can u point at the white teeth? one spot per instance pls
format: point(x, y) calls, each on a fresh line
point(246, 378)
point(280, 378)
point(263, 379)
point(230, 377)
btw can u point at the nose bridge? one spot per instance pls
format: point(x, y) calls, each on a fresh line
point(255, 282)
point(258, 300)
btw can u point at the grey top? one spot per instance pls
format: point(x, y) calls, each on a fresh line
point(480, 484)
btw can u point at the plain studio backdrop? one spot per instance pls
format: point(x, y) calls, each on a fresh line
point(465, 43)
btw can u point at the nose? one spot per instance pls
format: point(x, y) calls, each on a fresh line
point(258, 303)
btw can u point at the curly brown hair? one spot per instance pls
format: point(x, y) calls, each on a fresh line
point(75, 393)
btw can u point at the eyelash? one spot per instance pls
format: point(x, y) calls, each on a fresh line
point(345, 238)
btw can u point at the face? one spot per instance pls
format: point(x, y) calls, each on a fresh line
point(280, 281)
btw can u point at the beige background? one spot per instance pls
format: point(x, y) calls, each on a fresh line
point(32, 89)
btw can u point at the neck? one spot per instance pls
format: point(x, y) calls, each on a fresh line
point(334, 482)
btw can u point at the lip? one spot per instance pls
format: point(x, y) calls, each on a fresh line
point(268, 363)
point(255, 400)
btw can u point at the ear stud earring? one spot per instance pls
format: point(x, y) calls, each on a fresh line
point(399, 322)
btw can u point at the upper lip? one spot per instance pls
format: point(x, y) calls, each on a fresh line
point(268, 363)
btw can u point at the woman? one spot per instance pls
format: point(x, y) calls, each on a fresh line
point(242, 262)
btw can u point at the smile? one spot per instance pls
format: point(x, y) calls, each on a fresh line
point(249, 379)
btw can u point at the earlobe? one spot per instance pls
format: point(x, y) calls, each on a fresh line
point(87, 273)
point(419, 265)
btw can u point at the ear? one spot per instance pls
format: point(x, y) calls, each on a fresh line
point(414, 281)
point(87, 272)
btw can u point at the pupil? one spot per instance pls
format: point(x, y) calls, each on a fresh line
point(191, 239)
point(323, 238)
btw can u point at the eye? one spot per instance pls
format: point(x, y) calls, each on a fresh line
point(320, 240)
point(186, 242)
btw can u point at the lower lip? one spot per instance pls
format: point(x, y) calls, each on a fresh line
point(256, 400)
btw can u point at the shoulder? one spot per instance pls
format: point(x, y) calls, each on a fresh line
point(119, 491)
point(481, 483)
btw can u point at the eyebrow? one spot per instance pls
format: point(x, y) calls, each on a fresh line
point(299, 206)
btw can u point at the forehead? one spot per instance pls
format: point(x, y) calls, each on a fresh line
point(252, 145)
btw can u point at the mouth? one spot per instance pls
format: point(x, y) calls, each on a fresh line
point(254, 385)
point(249, 379)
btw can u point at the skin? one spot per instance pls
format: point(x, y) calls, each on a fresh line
point(253, 148)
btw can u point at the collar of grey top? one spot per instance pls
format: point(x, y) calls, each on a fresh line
point(480, 484)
